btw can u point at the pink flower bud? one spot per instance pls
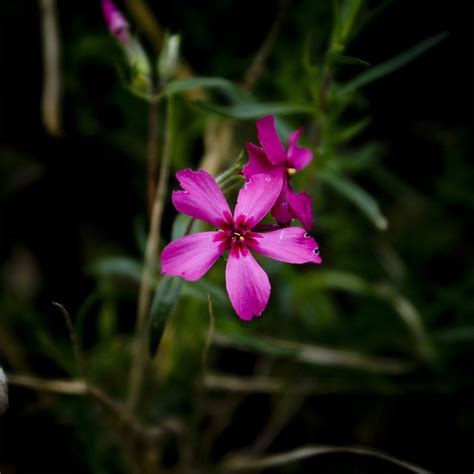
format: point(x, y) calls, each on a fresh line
point(116, 21)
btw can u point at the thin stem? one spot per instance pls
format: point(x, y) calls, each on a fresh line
point(74, 340)
point(151, 255)
point(51, 94)
point(62, 386)
point(112, 407)
point(152, 159)
point(257, 68)
point(241, 463)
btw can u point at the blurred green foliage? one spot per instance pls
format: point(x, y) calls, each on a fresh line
point(345, 354)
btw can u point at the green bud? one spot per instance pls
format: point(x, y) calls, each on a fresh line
point(140, 68)
point(169, 56)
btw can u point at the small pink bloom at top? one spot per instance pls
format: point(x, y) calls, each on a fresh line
point(115, 21)
point(273, 159)
point(190, 257)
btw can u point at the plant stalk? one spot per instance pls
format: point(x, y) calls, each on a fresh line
point(152, 152)
point(139, 361)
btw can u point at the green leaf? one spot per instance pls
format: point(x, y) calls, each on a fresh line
point(456, 335)
point(251, 111)
point(224, 85)
point(410, 315)
point(350, 13)
point(169, 289)
point(342, 59)
point(351, 131)
point(181, 226)
point(118, 266)
point(314, 354)
point(391, 65)
point(339, 280)
point(405, 309)
point(358, 196)
point(359, 160)
point(373, 14)
point(164, 301)
point(199, 290)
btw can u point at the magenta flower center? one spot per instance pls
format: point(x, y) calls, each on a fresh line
point(236, 234)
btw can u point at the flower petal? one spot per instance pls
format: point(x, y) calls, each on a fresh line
point(190, 257)
point(247, 283)
point(270, 141)
point(202, 198)
point(256, 198)
point(301, 207)
point(258, 162)
point(291, 245)
point(298, 157)
point(281, 210)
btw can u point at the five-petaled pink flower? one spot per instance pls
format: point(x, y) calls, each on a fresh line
point(116, 21)
point(190, 257)
point(272, 158)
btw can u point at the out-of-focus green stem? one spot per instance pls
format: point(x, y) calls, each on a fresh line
point(51, 95)
point(151, 256)
point(230, 173)
point(152, 152)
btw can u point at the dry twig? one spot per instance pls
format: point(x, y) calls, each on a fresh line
point(241, 463)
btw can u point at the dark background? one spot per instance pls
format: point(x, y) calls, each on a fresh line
point(75, 196)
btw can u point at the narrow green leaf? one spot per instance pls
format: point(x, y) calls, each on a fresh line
point(456, 335)
point(410, 315)
point(314, 354)
point(164, 301)
point(357, 161)
point(339, 280)
point(405, 309)
point(358, 196)
point(199, 290)
point(251, 111)
point(376, 12)
point(169, 289)
point(342, 59)
point(118, 266)
point(350, 13)
point(347, 133)
point(181, 226)
point(391, 65)
point(224, 85)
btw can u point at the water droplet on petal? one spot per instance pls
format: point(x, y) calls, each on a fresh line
point(307, 236)
point(268, 179)
point(316, 251)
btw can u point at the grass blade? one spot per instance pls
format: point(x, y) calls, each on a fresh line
point(358, 196)
point(391, 65)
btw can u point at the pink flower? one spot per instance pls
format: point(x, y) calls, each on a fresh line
point(273, 159)
point(116, 21)
point(190, 257)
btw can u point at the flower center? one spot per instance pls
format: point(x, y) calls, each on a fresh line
point(237, 236)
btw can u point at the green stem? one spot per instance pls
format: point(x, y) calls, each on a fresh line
point(151, 255)
point(152, 159)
